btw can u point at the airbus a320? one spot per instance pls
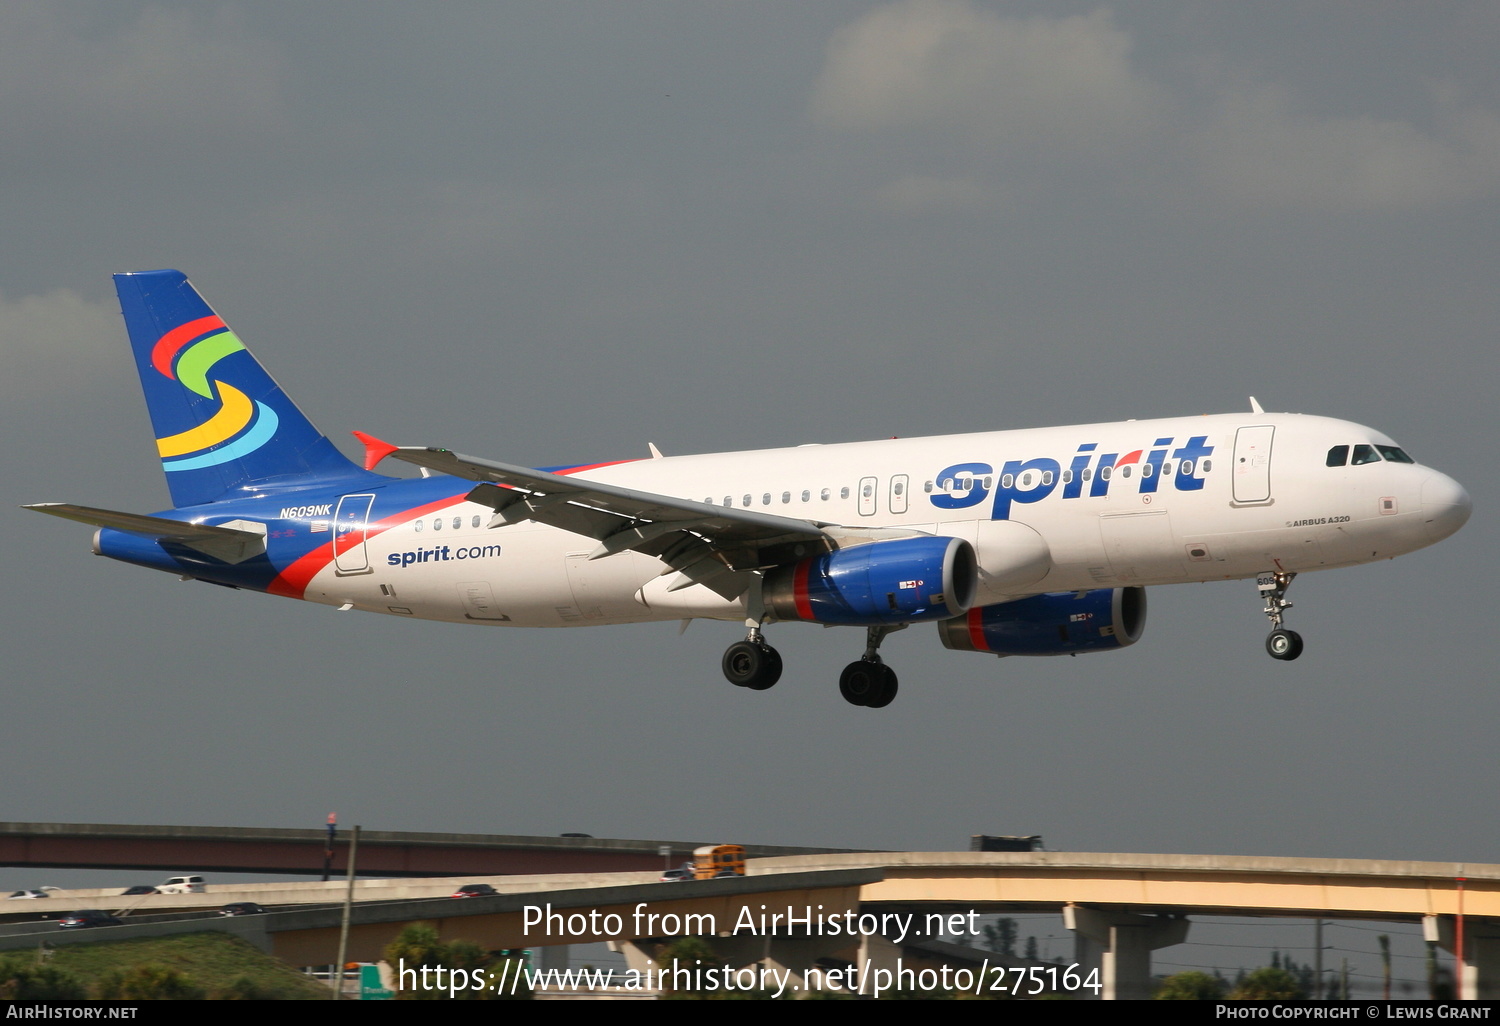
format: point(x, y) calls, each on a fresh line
point(1033, 542)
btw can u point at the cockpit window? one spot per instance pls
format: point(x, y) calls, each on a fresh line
point(1364, 454)
point(1395, 454)
point(1338, 455)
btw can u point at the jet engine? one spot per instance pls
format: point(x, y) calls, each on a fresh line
point(900, 580)
point(1055, 623)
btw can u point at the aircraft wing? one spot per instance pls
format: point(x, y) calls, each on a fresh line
point(702, 541)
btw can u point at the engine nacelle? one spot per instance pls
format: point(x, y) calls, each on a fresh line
point(1057, 623)
point(902, 580)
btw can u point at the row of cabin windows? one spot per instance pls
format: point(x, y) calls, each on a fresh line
point(437, 523)
point(1045, 477)
point(1339, 456)
point(1028, 479)
point(963, 484)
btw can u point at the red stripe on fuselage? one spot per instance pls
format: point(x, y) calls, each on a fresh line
point(293, 581)
point(167, 346)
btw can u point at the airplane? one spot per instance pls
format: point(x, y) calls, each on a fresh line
point(1027, 542)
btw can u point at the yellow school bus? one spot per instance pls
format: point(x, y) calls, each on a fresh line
point(712, 859)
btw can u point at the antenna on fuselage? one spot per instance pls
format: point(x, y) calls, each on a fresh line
point(1255, 405)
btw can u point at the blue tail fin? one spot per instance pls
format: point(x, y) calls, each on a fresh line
point(223, 426)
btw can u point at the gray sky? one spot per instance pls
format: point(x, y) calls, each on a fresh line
point(553, 233)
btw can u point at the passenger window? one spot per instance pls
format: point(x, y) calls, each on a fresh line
point(786, 496)
point(475, 522)
point(844, 492)
point(823, 495)
point(1124, 471)
point(1166, 468)
point(746, 500)
point(1338, 456)
point(1088, 474)
point(1364, 454)
point(927, 486)
point(806, 495)
point(1186, 467)
point(458, 522)
point(986, 482)
point(417, 526)
point(868, 491)
point(1067, 477)
point(1205, 466)
point(1007, 481)
point(437, 523)
point(728, 500)
point(1105, 472)
point(1145, 470)
point(899, 488)
point(1026, 480)
point(765, 500)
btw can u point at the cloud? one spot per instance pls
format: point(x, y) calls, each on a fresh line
point(1257, 149)
point(59, 342)
point(1064, 82)
point(165, 76)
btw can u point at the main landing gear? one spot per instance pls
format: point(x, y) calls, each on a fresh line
point(752, 663)
point(868, 681)
point(1280, 643)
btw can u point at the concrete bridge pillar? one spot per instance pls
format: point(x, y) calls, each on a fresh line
point(1119, 945)
point(1479, 976)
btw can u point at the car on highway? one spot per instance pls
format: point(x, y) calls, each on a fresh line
point(474, 891)
point(181, 885)
point(138, 889)
point(85, 918)
point(242, 908)
point(28, 894)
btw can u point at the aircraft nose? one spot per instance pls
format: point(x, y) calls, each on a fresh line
point(1445, 504)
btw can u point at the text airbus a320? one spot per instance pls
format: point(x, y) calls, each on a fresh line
point(1033, 542)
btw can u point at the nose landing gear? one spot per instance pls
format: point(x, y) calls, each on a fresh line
point(1281, 643)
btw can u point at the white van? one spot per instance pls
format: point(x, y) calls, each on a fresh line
point(181, 885)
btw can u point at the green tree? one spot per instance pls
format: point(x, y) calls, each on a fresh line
point(1001, 936)
point(1191, 986)
point(1268, 983)
point(418, 946)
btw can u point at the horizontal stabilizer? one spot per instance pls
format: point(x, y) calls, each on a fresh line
point(230, 544)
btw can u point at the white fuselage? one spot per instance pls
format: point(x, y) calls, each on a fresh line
point(1047, 510)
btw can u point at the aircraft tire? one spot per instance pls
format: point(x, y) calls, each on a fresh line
point(863, 683)
point(748, 665)
point(1284, 644)
point(770, 671)
point(887, 693)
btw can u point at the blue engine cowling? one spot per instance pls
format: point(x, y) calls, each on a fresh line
point(902, 580)
point(1057, 623)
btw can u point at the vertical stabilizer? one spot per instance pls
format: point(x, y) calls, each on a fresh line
point(223, 426)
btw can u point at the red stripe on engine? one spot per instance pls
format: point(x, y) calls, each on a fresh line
point(976, 629)
point(799, 589)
